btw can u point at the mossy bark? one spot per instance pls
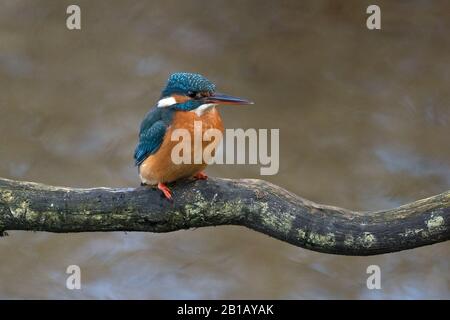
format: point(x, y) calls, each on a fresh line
point(256, 204)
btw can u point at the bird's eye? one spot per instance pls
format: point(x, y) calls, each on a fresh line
point(192, 94)
point(195, 95)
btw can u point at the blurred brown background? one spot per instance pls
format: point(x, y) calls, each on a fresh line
point(364, 120)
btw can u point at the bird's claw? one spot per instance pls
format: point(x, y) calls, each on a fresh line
point(165, 190)
point(200, 176)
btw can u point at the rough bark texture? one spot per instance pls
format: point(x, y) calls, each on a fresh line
point(256, 204)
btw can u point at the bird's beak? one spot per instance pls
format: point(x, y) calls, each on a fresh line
point(219, 98)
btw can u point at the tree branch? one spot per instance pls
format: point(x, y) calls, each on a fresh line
point(255, 204)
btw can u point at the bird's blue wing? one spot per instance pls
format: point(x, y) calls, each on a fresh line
point(151, 135)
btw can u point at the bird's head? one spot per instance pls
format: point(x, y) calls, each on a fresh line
point(193, 92)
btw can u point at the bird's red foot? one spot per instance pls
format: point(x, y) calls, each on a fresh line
point(201, 176)
point(165, 190)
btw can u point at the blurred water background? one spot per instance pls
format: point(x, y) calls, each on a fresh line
point(364, 119)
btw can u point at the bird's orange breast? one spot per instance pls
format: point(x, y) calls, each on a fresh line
point(159, 167)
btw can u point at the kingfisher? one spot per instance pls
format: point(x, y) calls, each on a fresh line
point(186, 98)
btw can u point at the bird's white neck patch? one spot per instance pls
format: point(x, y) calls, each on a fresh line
point(166, 102)
point(202, 108)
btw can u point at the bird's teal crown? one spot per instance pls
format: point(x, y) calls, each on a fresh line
point(187, 83)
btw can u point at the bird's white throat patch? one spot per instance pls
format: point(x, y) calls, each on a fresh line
point(166, 102)
point(204, 107)
point(169, 101)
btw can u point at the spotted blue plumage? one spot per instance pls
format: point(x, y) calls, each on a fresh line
point(183, 82)
point(151, 135)
point(157, 120)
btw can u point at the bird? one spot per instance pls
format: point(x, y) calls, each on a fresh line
point(186, 98)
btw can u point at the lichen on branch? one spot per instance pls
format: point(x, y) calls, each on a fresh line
point(255, 204)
